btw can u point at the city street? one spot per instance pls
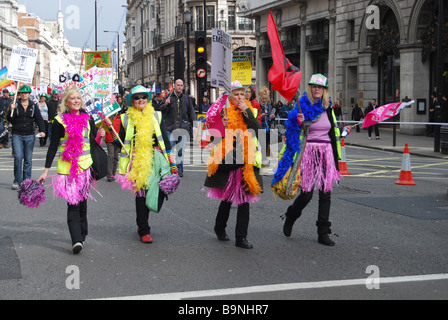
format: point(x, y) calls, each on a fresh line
point(392, 231)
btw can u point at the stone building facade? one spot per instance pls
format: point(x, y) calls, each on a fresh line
point(153, 27)
point(56, 56)
point(371, 49)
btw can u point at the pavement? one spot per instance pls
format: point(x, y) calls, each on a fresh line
point(418, 145)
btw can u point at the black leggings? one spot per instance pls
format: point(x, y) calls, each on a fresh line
point(295, 210)
point(77, 221)
point(242, 219)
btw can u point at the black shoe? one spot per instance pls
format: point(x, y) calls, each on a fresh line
point(287, 227)
point(77, 247)
point(222, 236)
point(181, 174)
point(289, 222)
point(325, 240)
point(243, 243)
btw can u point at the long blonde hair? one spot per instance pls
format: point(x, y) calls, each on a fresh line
point(67, 93)
point(325, 97)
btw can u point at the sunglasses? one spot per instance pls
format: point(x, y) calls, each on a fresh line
point(140, 97)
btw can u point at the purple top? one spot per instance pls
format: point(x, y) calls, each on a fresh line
point(318, 131)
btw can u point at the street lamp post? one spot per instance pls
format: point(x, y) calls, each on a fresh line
point(187, 21)
point(118, 52)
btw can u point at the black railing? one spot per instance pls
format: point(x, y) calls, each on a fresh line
point(317, 41)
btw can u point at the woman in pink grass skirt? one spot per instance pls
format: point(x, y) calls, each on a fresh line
point(71, 133)
point(319, 166)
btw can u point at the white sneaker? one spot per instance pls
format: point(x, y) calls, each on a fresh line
point(15, 186)
point(77, 247)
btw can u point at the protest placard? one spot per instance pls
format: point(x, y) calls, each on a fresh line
point(221, 70)
point(242, 70)
point(22, 64)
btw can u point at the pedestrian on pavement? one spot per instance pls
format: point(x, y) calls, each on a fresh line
point(143, 133)
point(23, 116)
point(113, 147)
point(53, 109)
point(5, 102)
point(372, 106)
point(205, 105)
point(357, 115)
point(337, 111)
point(178, 113)
point(319, 165)
point(444, 109)
point(267, 114)
point(72, 132)
point(233, 174)
point(251, 96)
point(43, 108)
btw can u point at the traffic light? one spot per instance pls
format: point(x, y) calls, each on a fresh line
point(200, 40)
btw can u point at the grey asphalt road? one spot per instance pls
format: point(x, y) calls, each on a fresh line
point(399, 230)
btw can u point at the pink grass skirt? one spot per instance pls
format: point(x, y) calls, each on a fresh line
point(318, 170)
point(234, 191)
point(74, 190)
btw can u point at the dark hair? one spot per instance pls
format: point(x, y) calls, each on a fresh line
point(252, 94)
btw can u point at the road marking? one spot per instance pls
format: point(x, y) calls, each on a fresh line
point(279, 287)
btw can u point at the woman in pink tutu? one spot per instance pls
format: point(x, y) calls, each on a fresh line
point(319, 166)
point(234, 173)
point(71, 134)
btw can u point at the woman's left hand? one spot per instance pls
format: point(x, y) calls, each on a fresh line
point(101, 132)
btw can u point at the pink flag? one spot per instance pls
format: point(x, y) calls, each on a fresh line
point(214, 120)
point(384, 112)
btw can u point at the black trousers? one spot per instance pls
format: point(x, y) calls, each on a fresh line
point(242, 219)
point(323, 215)
point(77, 221)
point(143, 213)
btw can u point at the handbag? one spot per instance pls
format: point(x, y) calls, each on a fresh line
point(99, 158)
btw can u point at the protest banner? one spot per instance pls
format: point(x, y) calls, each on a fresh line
point(100, 59)
point(102, 83)
point(242, 70)
point(22, 64)
point(221, 70)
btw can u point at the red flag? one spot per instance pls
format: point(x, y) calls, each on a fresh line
point(284, 76)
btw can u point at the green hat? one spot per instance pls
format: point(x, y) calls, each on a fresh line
point(319, 79)
point(25, 89)
point(55, 91)
point(11, 93)
point(135, 91)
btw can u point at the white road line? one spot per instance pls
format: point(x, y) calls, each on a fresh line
point(279, 287)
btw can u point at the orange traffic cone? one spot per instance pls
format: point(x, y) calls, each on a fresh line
point(205, 137)
point(343, 162)
point(406, 172)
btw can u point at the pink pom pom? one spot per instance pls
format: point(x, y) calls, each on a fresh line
point(31, 193)
point(169, 184)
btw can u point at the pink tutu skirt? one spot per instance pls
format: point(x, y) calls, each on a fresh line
point(234, 191)
point(317, 169)
point(74, 190)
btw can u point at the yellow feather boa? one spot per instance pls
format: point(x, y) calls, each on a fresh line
point(143, 155)
point(236, 123)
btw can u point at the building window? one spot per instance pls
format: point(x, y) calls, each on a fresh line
point(231, 17)
point(210, 10)
point(153, 12)
point(199, 18)
point(245, 24)
point(351, 30)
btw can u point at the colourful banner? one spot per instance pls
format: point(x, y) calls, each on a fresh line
point(384, 112)
point(100, 59)
point(214, 120)
point(4, 82)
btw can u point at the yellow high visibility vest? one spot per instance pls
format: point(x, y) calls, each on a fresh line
point(125, 160)
point(85, 160)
